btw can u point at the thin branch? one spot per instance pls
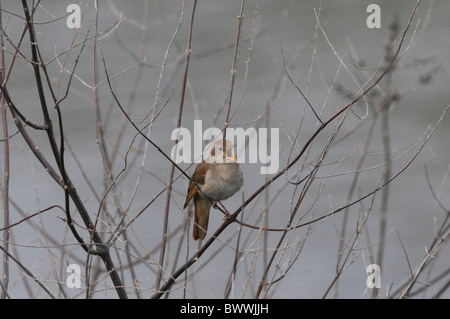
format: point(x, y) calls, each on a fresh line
point(234, 68)
point(28, 273)
point(296, 86)
point(365, 89)
point(6, 171)
point(172, 170)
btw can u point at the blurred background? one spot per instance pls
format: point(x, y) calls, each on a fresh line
point(329, 63)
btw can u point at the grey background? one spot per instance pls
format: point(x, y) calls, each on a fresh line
point(290, 24)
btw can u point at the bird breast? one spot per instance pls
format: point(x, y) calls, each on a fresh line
point(222, 180)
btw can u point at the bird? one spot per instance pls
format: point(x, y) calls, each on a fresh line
point(218, 177)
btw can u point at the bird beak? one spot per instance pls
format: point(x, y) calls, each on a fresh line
point(232, 157)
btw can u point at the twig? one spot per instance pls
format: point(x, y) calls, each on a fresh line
point(28, 273)
point(296, 86)
point(6, 171)
point(233, 69)
point(388, 99)
point(406, 254)
point(422, 265)
point(172, 170)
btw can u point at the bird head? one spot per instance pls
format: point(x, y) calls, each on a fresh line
point(222, 151)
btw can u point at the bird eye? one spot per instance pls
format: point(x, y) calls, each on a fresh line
point(220, 149)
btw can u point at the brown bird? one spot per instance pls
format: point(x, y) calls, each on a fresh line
point(218, 177)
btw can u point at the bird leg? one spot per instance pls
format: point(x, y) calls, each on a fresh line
point(224, 211)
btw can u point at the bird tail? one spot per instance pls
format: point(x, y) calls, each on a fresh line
point(202, 207)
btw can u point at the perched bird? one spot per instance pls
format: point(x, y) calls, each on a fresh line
point(218, 177)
